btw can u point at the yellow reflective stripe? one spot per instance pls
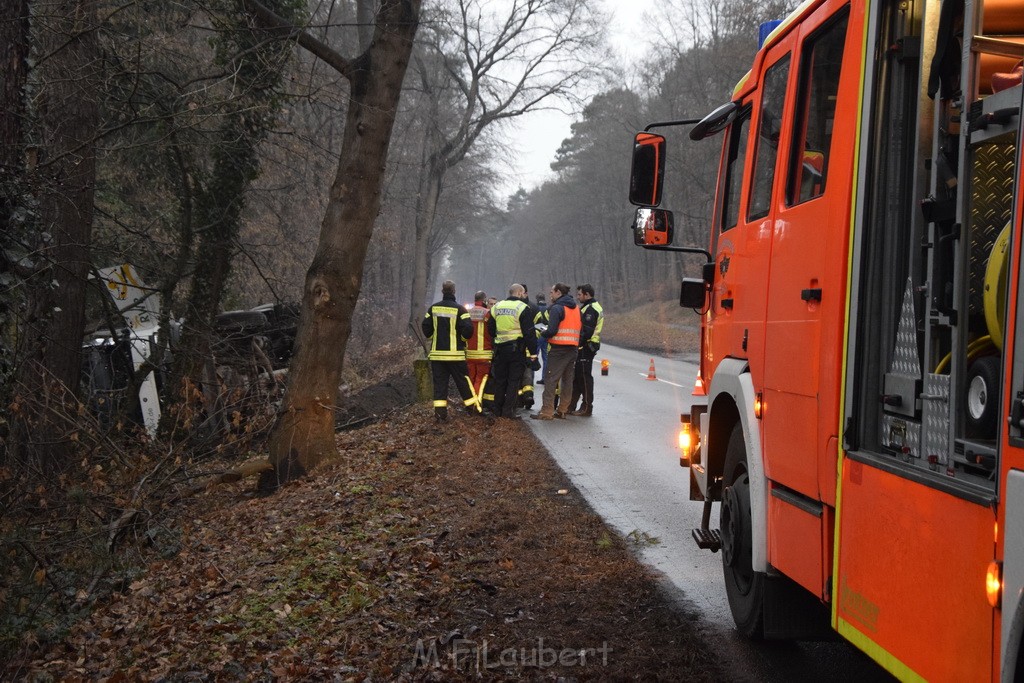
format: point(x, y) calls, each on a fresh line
point(444, 354)
point(440, 404)
point(479, 354)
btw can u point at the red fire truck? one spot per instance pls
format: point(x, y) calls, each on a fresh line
point(859, 411)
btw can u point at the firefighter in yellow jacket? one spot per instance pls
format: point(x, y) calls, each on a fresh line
point(447, 325)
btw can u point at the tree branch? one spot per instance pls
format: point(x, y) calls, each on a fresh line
point(289, 31)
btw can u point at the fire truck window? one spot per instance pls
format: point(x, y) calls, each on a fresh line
point(819, 87)
point(773, 97)
point(734, 169)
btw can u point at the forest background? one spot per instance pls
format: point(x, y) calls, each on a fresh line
point(196, 141)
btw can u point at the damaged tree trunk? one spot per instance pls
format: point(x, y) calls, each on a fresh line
point(304, 434)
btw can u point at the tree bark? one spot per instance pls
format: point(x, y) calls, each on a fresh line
point(51, 338)
point(304, 434)
point(426, 211)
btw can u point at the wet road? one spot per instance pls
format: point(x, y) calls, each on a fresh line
point(625, 462)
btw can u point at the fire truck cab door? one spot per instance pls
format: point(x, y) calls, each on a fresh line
point(810, 227)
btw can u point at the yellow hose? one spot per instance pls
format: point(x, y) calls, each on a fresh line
point(973, 349)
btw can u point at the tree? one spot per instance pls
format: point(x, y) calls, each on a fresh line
point(304, 434)
point(50, 338)
point(255, 64)
point(479, 67)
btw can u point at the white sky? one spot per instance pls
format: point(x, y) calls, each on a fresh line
point(537, 136)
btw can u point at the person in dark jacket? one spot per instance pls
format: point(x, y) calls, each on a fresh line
point(541, 319)
point(563, 333)
point(447, 325)
point(592, 316)
point(515, 342)
point(526, 394)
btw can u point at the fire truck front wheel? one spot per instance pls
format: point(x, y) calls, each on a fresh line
point(743, 585)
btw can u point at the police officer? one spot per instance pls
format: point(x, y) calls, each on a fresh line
point(592, 317)
point(515, 342)
point(448, 326)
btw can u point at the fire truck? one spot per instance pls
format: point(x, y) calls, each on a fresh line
point(859, 409)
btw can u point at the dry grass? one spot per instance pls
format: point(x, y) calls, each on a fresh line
point(658, 327)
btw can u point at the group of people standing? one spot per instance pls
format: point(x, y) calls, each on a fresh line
point(492, 350)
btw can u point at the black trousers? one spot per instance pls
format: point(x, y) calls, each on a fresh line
point(440, 371)
point(583, 381)
point(507, 368)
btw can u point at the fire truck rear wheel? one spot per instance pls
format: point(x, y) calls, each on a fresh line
point(743, 585)
point(982, 399)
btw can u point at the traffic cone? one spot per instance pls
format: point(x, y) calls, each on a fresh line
point(650, 373)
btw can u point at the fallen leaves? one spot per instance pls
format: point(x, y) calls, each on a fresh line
point(390, 564)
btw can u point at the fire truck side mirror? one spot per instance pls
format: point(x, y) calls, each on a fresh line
point(653, 228)
point(647, 172)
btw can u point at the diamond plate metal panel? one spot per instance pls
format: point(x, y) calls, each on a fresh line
point(899, 432)
point(935, 422)
point(904, 354)
point(991, 203)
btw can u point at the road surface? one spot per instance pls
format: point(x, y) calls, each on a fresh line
point(625, 463)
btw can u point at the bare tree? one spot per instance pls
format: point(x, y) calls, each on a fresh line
point(304, 434)
point(480, 66)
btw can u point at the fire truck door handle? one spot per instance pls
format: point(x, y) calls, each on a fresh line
point(727, 303)
point(811, 295)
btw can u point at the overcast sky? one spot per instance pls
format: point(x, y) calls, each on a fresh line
point(539, 134)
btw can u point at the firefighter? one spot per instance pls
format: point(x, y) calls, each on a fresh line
point(448, 326)
point(592, 317)
point(511, 325)
point(563, 333)
point(479, 351)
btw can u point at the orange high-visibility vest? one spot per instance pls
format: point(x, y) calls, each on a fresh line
point(569, 328)
point(478, 346)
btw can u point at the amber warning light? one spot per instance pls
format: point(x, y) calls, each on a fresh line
point(994, 583)
point(687, 440)
point(604, 366)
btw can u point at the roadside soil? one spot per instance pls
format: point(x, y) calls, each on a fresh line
point(425, 552)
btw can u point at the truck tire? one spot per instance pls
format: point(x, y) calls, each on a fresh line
point(743, 586)
point(982, 400)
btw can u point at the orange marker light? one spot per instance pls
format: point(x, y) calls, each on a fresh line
point(685, 440)
point(758, 406)
point(994, 583)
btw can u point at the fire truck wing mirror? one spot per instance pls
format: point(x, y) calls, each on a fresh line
point(653, 228)
point(715, 122)
point(693, 293)
point(648, 169)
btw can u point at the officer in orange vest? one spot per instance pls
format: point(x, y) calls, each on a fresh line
point(479, 350)
point(563, 333)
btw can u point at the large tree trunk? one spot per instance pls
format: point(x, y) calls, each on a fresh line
point(304, 434)
point(51, 338)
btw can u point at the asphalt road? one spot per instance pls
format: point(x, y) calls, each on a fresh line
point(625, 463)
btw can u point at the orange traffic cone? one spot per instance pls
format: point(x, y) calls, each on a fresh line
point(650, 373)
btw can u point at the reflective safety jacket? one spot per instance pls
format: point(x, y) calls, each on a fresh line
point(565, 323)
point(593, 321)
point(447, 325)
point(512, 320)
point(478, 346)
